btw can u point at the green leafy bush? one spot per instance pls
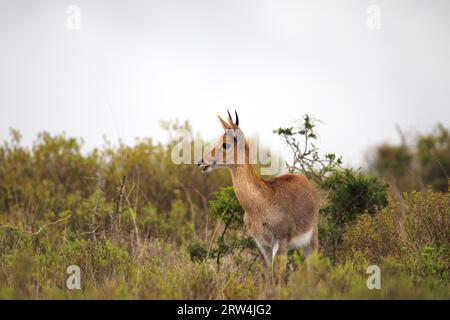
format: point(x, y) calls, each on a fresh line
point(227, 210)
point(422, 163)
point(350, 194)
point(197, 251)
point(414, 232)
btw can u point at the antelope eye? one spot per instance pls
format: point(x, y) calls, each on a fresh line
point(225, 145)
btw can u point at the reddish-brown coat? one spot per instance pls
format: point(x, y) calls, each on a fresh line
point(277, 210)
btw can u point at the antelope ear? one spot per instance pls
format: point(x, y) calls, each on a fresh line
point(224, 124)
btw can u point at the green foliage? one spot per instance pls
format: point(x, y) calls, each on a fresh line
point(394, 158)
point(426, 219)
point(425, 163)
point(348, 281)
point(373, 237)
point(226, 208)
point(433, 153)
point(394, 164)
point(350, 194)
point(414, 233)
point(197, 251)
point(174, 224)
point(306, 156)
point(55, 179)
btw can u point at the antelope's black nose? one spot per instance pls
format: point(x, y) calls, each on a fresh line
point(200, 162)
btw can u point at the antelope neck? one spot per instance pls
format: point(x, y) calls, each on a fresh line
point(245, 180)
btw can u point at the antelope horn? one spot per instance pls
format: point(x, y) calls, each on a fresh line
point(237, 118)
point(229, 116)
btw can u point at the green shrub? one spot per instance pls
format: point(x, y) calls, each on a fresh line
point(350, 194)
point(426, 219)
point(226, 208)
point(423, 163)
point(414, 232)
point(372, 236)
point(197, 251)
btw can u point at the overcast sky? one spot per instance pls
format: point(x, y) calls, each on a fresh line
point(134, 63)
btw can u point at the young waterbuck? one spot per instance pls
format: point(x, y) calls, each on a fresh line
point(280, 213)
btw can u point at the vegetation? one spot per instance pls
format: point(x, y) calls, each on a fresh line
point(141, 227)
point(416, 165)
point(347, 193)
point(306, 157)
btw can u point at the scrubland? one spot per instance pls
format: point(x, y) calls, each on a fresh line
point(141, 227)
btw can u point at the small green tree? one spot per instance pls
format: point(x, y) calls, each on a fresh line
point(306, 157)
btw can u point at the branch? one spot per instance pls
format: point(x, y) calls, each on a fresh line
point(217, 226)
point(40, 229)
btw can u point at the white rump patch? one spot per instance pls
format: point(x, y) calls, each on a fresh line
point(301, 240)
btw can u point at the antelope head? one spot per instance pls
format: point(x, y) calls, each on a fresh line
point(229, 149)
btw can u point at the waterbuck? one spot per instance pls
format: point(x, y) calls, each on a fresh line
point(280, 213)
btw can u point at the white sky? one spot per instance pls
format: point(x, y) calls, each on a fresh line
point(135, 63)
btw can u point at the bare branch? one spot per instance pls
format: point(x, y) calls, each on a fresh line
point(40, 229)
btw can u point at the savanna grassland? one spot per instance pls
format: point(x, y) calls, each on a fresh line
point(141, 227)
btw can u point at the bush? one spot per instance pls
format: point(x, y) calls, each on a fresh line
point(197, 251)
point(423, 163)
point(227, 210)
point(347, 280)
point(55, 178)
point(350, 194)
point(415, 233)
point(373, 237)
point(226, 207)
point(426, 219)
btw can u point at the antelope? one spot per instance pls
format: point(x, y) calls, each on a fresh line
point(281, 213)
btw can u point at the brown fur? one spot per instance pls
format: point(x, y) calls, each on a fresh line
point(276, 210)
point(284, 207)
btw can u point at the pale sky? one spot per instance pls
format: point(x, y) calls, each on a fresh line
point(135, 63)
